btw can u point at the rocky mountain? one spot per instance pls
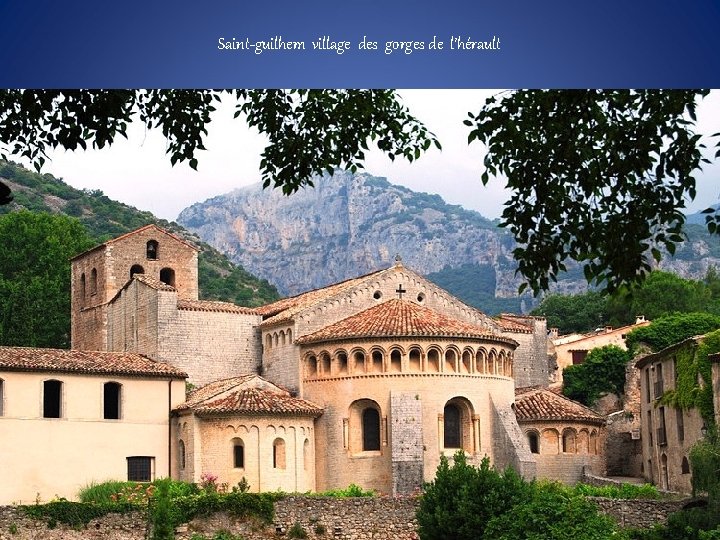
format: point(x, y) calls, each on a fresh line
point(352, 224)
point(104, 218)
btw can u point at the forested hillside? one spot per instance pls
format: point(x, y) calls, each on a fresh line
point(104, 218)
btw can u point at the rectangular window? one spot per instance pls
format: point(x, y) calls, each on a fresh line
point(578, 357)
point(661, 438)
point(680, 419)
point(2, 397)
point(659, 386)
point(647, 385)
point(140, 468)
point(650, 428)
point(111, 401)
point(52, 399)
point(239, 456)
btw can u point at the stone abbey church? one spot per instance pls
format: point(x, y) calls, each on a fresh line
point(367, 381)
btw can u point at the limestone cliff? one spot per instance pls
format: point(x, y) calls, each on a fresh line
point(353, 224)
point(348, 225)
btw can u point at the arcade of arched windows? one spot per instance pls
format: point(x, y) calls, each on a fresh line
point(563, 441)
point(396, 359)
point(278, 338)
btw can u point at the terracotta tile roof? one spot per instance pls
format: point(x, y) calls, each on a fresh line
point(249, 395)
point(153, 282)
point(397, 317)
point(143, 228)
point(285, 309)
point(535, 403)
point(211, 305)
point(513, 323)
point(91, 362)
point(214, 389)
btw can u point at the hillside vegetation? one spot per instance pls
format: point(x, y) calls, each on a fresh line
point(104, 218)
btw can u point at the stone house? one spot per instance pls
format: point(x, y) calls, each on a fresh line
point(573, 348)
point(70, 417)
point(667, 432)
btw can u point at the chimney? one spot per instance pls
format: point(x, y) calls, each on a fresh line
point(640, 319)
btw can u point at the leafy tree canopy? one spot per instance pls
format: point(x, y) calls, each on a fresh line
point(661, 294)
point(573, 312)
point(310, 131)
point(597, 176)
point(671, 329)
point(35, 277)
point(603, 371)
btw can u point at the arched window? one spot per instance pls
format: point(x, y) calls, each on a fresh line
point(52, 399)
point(414, 360)
point(167, 276)
point(268, 342)
point(377, 362)
point(370, 429)
point(452, 427)
point(685, 467)
point(568, 441)
point(312, 368)
point(111, 400)
point(534, 442)
point(181, 454)
point(152, 250)
point(395, 361)
point(306, 455)
point(341, 363)
point(359, 366)
point(136, 269)
point(450, 361)
point(433, 361)
point(93, 282)
point(279, 454)
point(238, 447)
point(83, 288)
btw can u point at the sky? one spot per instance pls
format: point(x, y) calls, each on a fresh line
point(137, 171)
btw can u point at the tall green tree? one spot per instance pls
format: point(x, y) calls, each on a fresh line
point(35, 277)
point(659, 295)
point(603, 371)
point(573, 312)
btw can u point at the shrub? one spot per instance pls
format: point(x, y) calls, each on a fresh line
point(623, 491)
point(552, 514)
point(102, 492)
point(297, 531)
point(163, 527)
point(353, 490)
point(462, 499)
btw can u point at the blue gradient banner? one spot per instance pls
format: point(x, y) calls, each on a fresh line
point(419, 44)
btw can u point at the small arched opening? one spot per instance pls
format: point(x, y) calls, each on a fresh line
point(167, 276)
point(152, 250)
point(136, 269)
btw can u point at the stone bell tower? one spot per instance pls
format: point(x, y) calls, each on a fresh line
point(99, 273)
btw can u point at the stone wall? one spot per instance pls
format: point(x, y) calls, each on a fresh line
point(322, 518)
point(639, 513)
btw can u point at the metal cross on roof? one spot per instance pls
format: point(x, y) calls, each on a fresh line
point(400, 291)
